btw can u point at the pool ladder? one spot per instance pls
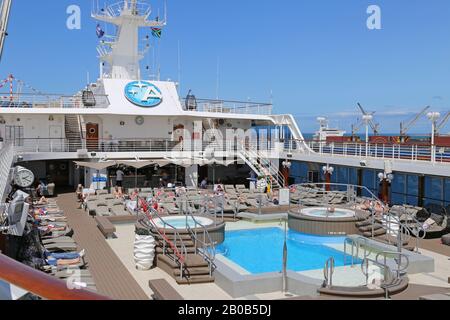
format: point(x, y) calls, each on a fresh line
point(356, 244)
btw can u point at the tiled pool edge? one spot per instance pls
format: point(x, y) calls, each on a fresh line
point(239, 285)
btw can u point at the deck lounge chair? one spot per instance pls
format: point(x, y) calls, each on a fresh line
point(171, 208)
point(102, 210)
point(101, 192)
point(119, 210)
point(439, 229)
point(58, 240)
point(61, 247)
point(242, 189)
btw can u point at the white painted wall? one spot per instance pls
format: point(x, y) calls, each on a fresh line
point(35, 126)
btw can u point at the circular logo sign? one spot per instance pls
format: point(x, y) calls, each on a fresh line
point(143, 94)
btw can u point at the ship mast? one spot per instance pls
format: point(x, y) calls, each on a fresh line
point(121, 53)
point(4, 17)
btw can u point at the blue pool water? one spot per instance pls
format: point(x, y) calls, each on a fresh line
point(261, 250)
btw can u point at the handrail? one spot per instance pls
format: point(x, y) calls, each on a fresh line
point(180, 254)
point(356, 243)
point(388, 276)
point(41, 284)
point(328, 272)
point(400, 255)
point(208, 251)
point(265, 167)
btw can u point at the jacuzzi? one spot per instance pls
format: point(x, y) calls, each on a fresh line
point(325, 213)
point(321, 221)
point(180, 222)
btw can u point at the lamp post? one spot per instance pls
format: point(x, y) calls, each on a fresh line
point(433, 116)
point(367, 119)
point(286, 172)
point(385, 179)
point(328, 172)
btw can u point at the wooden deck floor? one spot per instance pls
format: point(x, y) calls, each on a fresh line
point(111, 277)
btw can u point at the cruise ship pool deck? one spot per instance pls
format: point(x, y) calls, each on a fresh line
point(112, 263)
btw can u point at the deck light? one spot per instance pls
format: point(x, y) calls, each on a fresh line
point(433, 116)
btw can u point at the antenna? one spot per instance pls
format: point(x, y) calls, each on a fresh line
point(165, 11)
point(218, 78)
point(179, 68)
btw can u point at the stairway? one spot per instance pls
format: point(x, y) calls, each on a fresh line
point(382, 232)
point(196, 270)
point(73, 132)
point(263, 167)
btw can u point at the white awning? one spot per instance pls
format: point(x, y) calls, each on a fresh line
point(137, 164)
point(96, 165)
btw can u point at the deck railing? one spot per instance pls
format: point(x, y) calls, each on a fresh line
point(6, 161)
point(36, 100)
point(41, 284)
point(230, 107)
point(270, 149)
point(439, 154)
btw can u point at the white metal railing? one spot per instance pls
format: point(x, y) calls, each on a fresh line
point(231, 107)
point(204, 246)
point(263, 149)
point(174, 248)
point(37, 100)
point(263, 165)
point(381, 151)
point(6, 161)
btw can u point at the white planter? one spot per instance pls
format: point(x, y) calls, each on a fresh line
point(144, 252)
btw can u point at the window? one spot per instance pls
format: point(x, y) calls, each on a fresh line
point(434, 190)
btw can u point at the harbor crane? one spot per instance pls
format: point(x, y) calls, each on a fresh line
point(442, 124)
point(4, 18)
point(406, 126)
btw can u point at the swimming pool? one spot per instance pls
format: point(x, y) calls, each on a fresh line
point(180, 222)
point(261, 250)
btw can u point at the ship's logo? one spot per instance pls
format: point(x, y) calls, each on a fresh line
point(143, 94)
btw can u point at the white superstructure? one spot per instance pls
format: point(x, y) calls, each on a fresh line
point(123, 116)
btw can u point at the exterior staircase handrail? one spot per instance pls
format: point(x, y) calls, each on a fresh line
point(180, 255)
point(208, 249)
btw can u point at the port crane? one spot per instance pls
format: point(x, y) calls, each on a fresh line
point(356, 127)
point(442, 124)
point(4, 18)
point(406, 126)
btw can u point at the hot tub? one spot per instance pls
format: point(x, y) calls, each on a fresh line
point(180, 222)
point(326, 213)
point(321, 221)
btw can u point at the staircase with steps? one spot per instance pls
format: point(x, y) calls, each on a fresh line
point(384, 232)
point(73, 132)
point(263, 167)
point(180, 253)
point(196, 269)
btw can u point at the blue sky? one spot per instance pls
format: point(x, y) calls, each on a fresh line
point(317, 57)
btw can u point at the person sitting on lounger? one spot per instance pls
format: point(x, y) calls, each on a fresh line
point(64, 259)
point(366, 205)
point(379, 209)
point(134, 195)
point(118, 193)
point(42, 201)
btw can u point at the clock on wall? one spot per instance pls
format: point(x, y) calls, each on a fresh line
point(23, 177)
point(140, 120)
